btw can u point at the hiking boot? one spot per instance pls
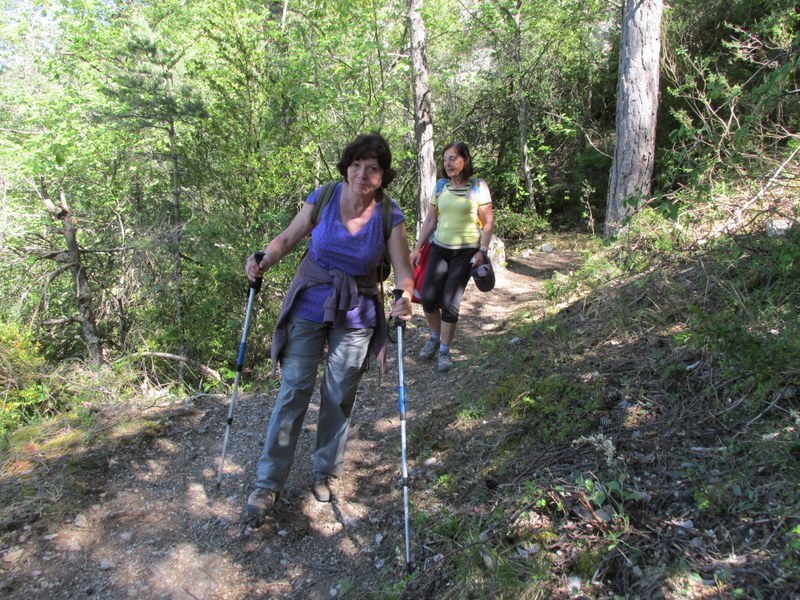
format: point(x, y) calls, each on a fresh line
point(429, 350)
point(444, 363)
point(259, 503)
point(325, 489)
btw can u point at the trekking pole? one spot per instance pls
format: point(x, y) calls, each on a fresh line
point(401, 325)
point(255, 287)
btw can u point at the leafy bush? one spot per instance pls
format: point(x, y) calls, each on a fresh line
point(26, 392)
point(596, 270)
point(518, 226)
point(651, 238)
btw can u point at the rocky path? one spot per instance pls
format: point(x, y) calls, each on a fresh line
point(159, 528)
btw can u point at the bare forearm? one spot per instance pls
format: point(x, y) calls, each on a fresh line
point(427, 229)
point(487, 218)
point(274, 252)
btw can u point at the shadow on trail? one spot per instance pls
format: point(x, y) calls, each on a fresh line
point(154, 524)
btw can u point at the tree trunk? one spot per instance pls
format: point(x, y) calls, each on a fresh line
point(522, 110)
point(423, 120)
point(177, 236)
point(83, 290)
point(637, 102)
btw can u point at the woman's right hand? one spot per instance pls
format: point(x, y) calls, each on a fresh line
point(253, 269)
point(401, 308)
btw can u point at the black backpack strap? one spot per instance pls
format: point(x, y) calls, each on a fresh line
point(386, 216)
point(324, 197)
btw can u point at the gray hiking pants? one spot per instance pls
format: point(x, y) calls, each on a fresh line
point(347, 354)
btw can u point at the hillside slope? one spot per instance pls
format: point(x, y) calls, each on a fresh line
point(574, 451)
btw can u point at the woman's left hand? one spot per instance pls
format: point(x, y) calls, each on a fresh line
point(401, 308)
point(414, 257)
point(478, 259)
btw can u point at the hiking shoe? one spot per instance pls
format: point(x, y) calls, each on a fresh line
point(430, 348)
point(444, 363)
point(325, 489)
point(259, 503)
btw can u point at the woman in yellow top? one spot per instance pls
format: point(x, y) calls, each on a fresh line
point(461, 222)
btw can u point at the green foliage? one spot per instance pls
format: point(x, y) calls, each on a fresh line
point(559, 408)
point(729, 91)
point(518, 226)
point(792, 560)
point(445, 482)
point(597, 269)
point(26, 389)
point(613, 494)
point(753, 326)
point(732, 494)
point(445, 525)
point(238, 113)
point(650, 238)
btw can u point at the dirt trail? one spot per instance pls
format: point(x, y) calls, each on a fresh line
point(160, 529)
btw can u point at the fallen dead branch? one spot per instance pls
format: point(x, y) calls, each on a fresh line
point(184, 359)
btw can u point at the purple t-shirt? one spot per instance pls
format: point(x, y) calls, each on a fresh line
point(333, 247)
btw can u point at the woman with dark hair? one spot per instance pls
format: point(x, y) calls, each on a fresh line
point(332, 301)
point(461, 222)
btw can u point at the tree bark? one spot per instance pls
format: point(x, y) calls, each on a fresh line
point(423, 119)
point(177, 237)
point(522, 110)
point(637, 103)
point(91, 335)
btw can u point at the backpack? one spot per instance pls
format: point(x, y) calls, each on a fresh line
point(385, 265)
point(440, 187)
point(474, 186)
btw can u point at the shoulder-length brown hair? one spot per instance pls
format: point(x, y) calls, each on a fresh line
point(463, 152)
point(371, 145)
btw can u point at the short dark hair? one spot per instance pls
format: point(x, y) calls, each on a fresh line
point(463, 151)
point(371, 145)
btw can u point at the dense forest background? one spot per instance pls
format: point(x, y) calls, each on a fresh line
point(179, 136)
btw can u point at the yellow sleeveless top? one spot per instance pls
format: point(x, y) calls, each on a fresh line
point(458, 225)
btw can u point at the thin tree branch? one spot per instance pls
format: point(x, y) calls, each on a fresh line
point(184, 359)
point(726, 226)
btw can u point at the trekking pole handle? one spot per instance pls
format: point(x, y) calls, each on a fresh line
point(397, 294)
point(256, 285)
